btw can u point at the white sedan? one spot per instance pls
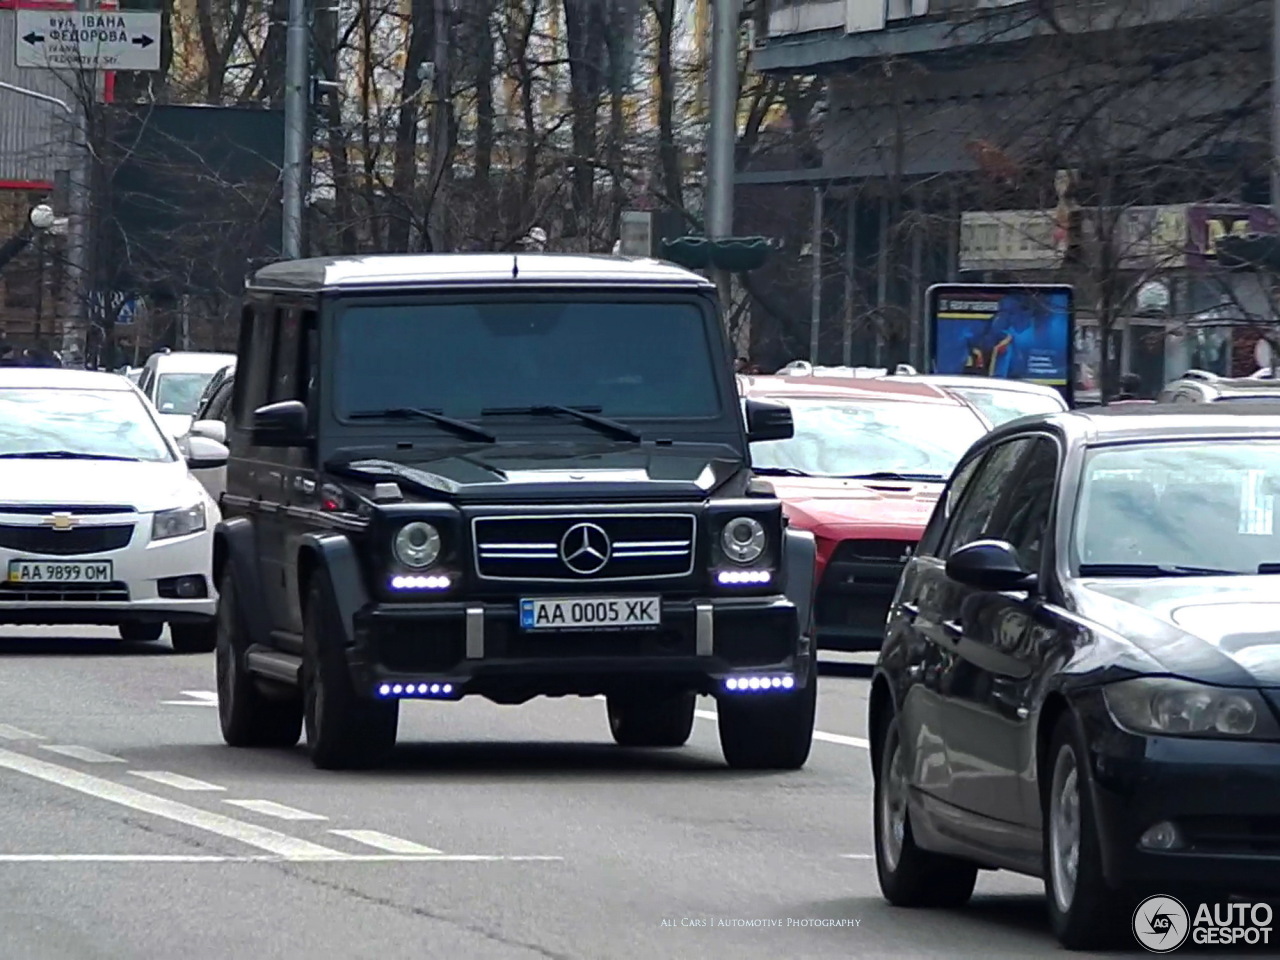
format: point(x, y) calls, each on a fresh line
point(101, 521)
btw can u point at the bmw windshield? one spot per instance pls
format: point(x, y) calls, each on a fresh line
point(613, 358)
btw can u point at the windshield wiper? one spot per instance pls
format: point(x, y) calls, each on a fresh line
point(587, 415)
point(780, 472)
point(890, 475)
point(462, 428)
point(1152, 570)
point(64, 455)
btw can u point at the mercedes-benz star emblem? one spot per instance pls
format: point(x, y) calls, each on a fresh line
point(585, 548)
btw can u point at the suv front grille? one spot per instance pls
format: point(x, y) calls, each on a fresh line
point(897, 552)
point(617, 547)
point(46, 541)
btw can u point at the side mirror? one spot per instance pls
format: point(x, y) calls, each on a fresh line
point(210, 429)
point(282, 424)
point(206, 454)
point(768, 420)
point(989, 565)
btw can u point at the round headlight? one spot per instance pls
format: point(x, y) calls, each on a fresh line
point(417, 545)
point(743, 540)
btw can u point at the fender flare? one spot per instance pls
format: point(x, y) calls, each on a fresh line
point(800, 554)
point(235, 549)
point(332, 556)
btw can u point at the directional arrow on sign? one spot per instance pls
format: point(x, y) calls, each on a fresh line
point(33, 38)
point(143, 41)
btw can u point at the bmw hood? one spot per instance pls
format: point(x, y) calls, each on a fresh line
point(549, 472)
point(1223, 630)
point(67, 483)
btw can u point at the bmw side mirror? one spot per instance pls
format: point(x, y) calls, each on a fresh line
point(989, 565)
point(282, 424)
point(769, 420)
point(205, 454)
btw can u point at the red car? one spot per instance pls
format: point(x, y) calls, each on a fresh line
point(862, 473)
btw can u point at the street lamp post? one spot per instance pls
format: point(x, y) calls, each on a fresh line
point(723, 133)
point(297, 70)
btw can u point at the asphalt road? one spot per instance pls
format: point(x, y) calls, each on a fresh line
point(128, 830)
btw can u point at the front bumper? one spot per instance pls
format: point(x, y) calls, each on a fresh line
point(853, 603)
point(1224, 797)
point(142, 575)
point(480, 648)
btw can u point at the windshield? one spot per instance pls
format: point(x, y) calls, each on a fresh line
point(180, 392)
point(83, 423)
point(616, 358)
point(1001, 406)
point(838, 438)
point(1208, 505)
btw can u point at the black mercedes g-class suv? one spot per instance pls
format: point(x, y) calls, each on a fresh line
point(505, 476)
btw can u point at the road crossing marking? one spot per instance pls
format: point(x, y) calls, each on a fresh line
point(270, 808)
point(817, 734)
point(270, 841)
point(197, 698)
point(175, 780)
point(385, 842)
point(81, 753)
point(334, 857)
point(14, 733)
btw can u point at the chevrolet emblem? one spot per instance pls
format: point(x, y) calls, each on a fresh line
point(61, 521)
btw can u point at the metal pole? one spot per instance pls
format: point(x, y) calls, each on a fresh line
point(297, 69)
point(915, 352)
point(882, 274)
point(815, 265)
point(850, 266)
point(1275, 106)
point(722, 135)
point(79, 200)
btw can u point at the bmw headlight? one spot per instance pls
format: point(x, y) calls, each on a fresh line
point(417, 545)
point(743, 540)
point(1181, 708)
point(178, 523)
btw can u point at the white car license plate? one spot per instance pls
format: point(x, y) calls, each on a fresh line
point(590, 613)
point(54, 571)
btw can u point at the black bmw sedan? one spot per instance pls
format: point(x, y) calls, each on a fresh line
point(1080, 675)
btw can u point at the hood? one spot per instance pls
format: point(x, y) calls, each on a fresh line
point(840, 509)
point(555, 471)
point(175, 424)
point(143, 486)
point(1222, 630)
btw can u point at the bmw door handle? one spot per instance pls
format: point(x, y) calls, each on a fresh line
point(953, 630)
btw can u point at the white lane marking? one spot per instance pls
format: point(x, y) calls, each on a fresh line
point(81, 753)
point(270, 808)
point(858, 856)
point(175, 780)
point(384, 841)
point(839, 738)
point(328, 858)
point(14, 733)
point(198, 698)
point(271, 841)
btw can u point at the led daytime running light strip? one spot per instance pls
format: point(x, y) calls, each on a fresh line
point(415, 690)
point(759, 684)
point(420, 583)
point(743, 578)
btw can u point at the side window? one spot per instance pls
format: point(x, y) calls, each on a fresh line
point(982, 494)
point(947, 505)
point(1024, 517)
point(257, 338)
point(284, 358)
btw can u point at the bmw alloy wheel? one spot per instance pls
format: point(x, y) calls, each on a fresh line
point(893, 806)
point(1064, 828)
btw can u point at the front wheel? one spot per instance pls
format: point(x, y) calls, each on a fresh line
point(637, 721)
point(769, 731)
point(344, 730)
point(910, 876)
point(1085, 912)
point(201, 637)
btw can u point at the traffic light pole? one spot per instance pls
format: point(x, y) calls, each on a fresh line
point(723, 133)
point(297, 71)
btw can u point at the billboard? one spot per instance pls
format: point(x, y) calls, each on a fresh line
point(1012, 331)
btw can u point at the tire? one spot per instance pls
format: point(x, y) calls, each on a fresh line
point(140, 632)
point(910, 876)
point(637, 721)
point(1086, 913)
point(194, 637)
point(248, 718)
point(769, 731)
point(345, 731)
